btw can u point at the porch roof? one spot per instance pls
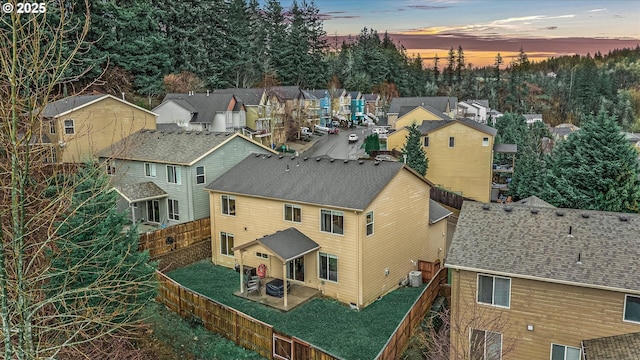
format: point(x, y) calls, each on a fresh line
point(285, 244)
point(140, 191)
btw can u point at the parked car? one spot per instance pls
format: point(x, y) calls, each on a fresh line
point(353, 138)
point(334, 130)
point(379, 130)
point(335, 123)
point(321, 128)
point(304, 131)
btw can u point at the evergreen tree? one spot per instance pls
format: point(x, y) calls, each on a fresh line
point(450, 69)
point(460, 65)
point(371, 144)
point(436, 70)
point(415, 155)
point(594, 169)
point(530, 163)
point(95, 264)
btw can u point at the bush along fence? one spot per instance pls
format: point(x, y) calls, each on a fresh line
point(400, 338)
point(175, 237)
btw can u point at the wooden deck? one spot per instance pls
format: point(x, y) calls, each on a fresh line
point(299, 294)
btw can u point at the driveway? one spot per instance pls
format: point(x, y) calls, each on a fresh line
point(338, 146)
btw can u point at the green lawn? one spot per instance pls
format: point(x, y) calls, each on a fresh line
point(328, 324)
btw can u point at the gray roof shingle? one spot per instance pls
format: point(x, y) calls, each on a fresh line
point(437, 102)
point(172, 147)
point(619, 347)
point(437, 212)
point(348, 184)
point(286, 244)
point(428, 126)
point(534, 242)
point(406, 109)
point(204, 106)
point(251, 96)
point(55, 108)
point(505, 148)
point(534, 201)
point(140, 191)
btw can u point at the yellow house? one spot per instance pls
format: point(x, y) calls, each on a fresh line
point(460, 155)
point(79, 126)
point(409, 115)
point(537, 282)
point(351, 229)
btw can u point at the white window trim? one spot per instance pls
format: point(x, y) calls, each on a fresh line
point(52, 126)
point(262, 255)
point(366, 225)
point(484, 356)
point(204, 175)
point(565, 350)
point(284, 214)
point(226, 235)
point(485, 143)
point(332, 212)
point(222, 199)
point(493, 291)
point(177, 174)
point(72, 127)
point(320, 264)
point(152, 170)
point(624, 309)
point(172, 216)
point(454, 141)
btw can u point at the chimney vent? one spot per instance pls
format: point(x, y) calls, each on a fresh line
point(534, 211)
point(623, 218)
point(508, 208)
point(361, 162)
point(570, 231)
point(486, 207)
point(579, 262)
point(318, 159)
point(305, 158)
point(331, 160)
point(346, 161)
point(287, 167)
point(376, 163)
point(280, 156)
point(559, 213)
point(585, 215)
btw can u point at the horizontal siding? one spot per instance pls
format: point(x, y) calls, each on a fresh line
point(560, 314)
point(416, 115)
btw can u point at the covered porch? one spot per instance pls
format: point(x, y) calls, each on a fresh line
point(286, 248)
point(146, 203)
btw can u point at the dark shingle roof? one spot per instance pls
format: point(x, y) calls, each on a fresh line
point(318, 94)
point(55, 108)
point(511, 239)
point(619, 347)
point(140, 191)
point(406, 109)
point(286, 244)
point(534, 201)
point(428, 126)
point(172, 147)
point(286, 92)
point(251, 96)
point(370, 97)
point(437, 102)
point(505, 148)
point(205, 106)
point(336, 183)
point(437, 212)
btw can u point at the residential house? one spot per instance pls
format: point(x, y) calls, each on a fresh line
point(443, 104)
point(562, 131)
point(503, 168)
point(476, 110)
point(535, 282)
point(161, 175)
point(292, 108)
point(493, 116)
point(217, 112)
point(408, 115)
point(357, 107)
point(77, 127)
point(352, 229)
point(532, 118)
point(460, 155)
point(344, 105)
point(322, 105)
point(373, 105)
point(617, 347)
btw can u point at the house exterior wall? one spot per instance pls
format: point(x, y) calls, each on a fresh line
point(362, 260)
point(560, 314)
point(172, 113)
point(464, 168)
point(397, 139)
point(97, 126)
point(401, 234)
point(416, 115)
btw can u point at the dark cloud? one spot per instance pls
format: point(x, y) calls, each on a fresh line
point(336, 15)
point(550, 28)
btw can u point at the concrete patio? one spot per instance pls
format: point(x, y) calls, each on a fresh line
point(298, 295)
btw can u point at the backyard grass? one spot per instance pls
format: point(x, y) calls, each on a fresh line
point(325, 323)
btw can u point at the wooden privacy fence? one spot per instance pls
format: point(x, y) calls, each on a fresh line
point(236, 326)
point(175, 237)
point(398, 341)
point(447, 197)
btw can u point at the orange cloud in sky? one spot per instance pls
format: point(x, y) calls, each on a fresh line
point(474, 58)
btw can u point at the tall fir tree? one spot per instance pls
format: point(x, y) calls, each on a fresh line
point(595, 168)
point(416, 158)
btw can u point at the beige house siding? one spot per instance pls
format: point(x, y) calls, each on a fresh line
point(560, 314)
point(416, 115)
point(464, 168)
point(97, 126)
point(401, 228)
point(397, 139)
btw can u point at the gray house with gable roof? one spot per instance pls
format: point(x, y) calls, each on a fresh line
point(160, 175)
point(533, 282)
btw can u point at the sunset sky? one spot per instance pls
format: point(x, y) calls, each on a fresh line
point(543, 28)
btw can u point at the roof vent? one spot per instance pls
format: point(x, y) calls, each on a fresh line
point(227, 134)
point(346, 161)
point(331, 160)
point(293, 157)
point(208, 133)
point(198, 132)
point(585, 215)
point(298, 163)
point(559, 213)
point(258, 155)
point(535, 211)
point(287, 167)
point(305, 158)
point(579, 262)
point(361, 162)
point(623, 218)
point(318, 159)
point(269, 156)
point(570, 231)
point(280, 156)
point(486, 207)
point(508, 208)
point(376, 163)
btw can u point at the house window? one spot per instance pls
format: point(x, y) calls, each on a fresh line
point(226, 244)
point(52, 127)
point(50, 156)
point(331, 221)
point(292, 213)
point(328, 267)
point(632, 308)
point(111, 168)
point(452, 141)
point(370, 223)
point(485, 141)
point(149, 170)
point(426, 141)
point(228, 205)
point(562, 352)
point(174, 174)
point(485, 345)
point(200, 177)
point(262, 255)
point(69, 127)
point(174, 213)
point(494, 290)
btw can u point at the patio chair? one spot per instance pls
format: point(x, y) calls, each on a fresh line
point(253, 285)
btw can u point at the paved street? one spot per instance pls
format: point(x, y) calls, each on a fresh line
point(338, 146)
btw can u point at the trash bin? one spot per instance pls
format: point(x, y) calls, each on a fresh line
point(415, 278)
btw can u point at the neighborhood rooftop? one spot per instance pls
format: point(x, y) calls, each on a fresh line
point(61, 106)
point(428, 126)
point(568, 246)
point(171, 146)
point(619, 347)
point(203, 106)
point(349, 184)
point(437, 102)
